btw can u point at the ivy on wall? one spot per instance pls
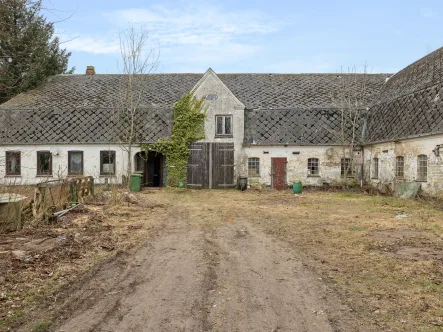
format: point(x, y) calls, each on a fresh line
point(187, 127)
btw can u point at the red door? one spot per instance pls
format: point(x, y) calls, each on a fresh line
point(279, 173)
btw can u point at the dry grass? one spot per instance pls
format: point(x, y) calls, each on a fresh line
point(57, 254)
point(389, 270)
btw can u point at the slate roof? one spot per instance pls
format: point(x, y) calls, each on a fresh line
point(84, 106)
point(264, 91)
point(297, 126)
point(82, 125)
point(410, 103)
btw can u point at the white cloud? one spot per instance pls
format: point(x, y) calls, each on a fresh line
point(190, 34)
point(92, 44)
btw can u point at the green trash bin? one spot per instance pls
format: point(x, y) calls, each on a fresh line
point(136, 182)
point(296, 187)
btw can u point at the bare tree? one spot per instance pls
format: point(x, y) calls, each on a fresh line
point(138, 58)
point(351, 99)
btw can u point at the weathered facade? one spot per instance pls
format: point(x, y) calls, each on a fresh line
point(272, 128)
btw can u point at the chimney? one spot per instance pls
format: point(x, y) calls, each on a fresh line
point(90, 70)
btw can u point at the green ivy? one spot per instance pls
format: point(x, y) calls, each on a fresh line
point(187, 127)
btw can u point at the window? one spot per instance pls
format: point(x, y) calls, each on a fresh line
point(75, 162)
point(400, 167)
point(13, 163)
point(375, 171)
point(313, 166)
point(253, 166)
point(140, 161)
point(346, 167)
point(223, 125)
point(107, 162)
point(422, 167)
point(44, 163)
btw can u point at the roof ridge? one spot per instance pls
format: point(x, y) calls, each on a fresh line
point(407, 94)
point(280, 74)
point(416, 61)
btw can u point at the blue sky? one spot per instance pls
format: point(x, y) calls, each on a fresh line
point(254, 36)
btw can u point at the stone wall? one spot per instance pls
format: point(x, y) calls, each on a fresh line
point(410, 149)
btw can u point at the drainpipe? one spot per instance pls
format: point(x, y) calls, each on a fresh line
point(363, 134)
point(362, 167)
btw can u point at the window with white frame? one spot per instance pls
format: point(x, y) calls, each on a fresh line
point(253, 166)
point(422, 167)
point(400, 167)
point(223, 125)
point(313, 168)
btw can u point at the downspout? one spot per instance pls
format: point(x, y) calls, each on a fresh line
point(363, 134)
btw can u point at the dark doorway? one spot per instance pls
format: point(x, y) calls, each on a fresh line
point(151, 166)
point(279, 173)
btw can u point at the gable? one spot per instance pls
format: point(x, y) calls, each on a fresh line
point(210, 84)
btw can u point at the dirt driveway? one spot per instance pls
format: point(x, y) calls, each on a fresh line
point(216, 274)
point(232, 261)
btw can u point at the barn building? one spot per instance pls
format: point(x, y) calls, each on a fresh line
point(272, 128)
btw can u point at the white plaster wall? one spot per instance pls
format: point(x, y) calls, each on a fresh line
point(297, 166)
point(409, 149)
point(225, 104)
point(91, 162)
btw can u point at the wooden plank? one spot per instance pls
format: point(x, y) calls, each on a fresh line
point(198, 165)
point(223, 165)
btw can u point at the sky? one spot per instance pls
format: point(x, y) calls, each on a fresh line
point(272, 36)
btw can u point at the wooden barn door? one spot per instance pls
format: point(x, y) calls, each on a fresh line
point(279, 173)
point(222, 165)
point(211, 165)
point(198, 166)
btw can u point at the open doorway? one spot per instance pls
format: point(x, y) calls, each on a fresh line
point(151, 166)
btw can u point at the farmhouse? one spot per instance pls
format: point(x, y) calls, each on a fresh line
point(272, 128)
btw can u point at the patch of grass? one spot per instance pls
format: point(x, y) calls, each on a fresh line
point(357, 228)
point(41, 327)
point(347, 195)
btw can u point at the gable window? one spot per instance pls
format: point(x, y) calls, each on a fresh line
point(346, 167)
point(107, 162)
point(44, 163)
point(400, 167)
point(313, 167)
point(253, 166)
point(13, 163)
point(375, 171)
point(75, 162)
point(422, 167)
point(223, 125)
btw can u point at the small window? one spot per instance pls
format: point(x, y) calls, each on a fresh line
point(346, 167)
point(107, 162)
point(400, 167)
point(75, 162)
point(211, 97)
point(44, 163)
point(13, 163)
point(253, 166)
point(422, 167)
point(140, 161)
point(224, 125)
point(375, 170)
point(313, 166)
